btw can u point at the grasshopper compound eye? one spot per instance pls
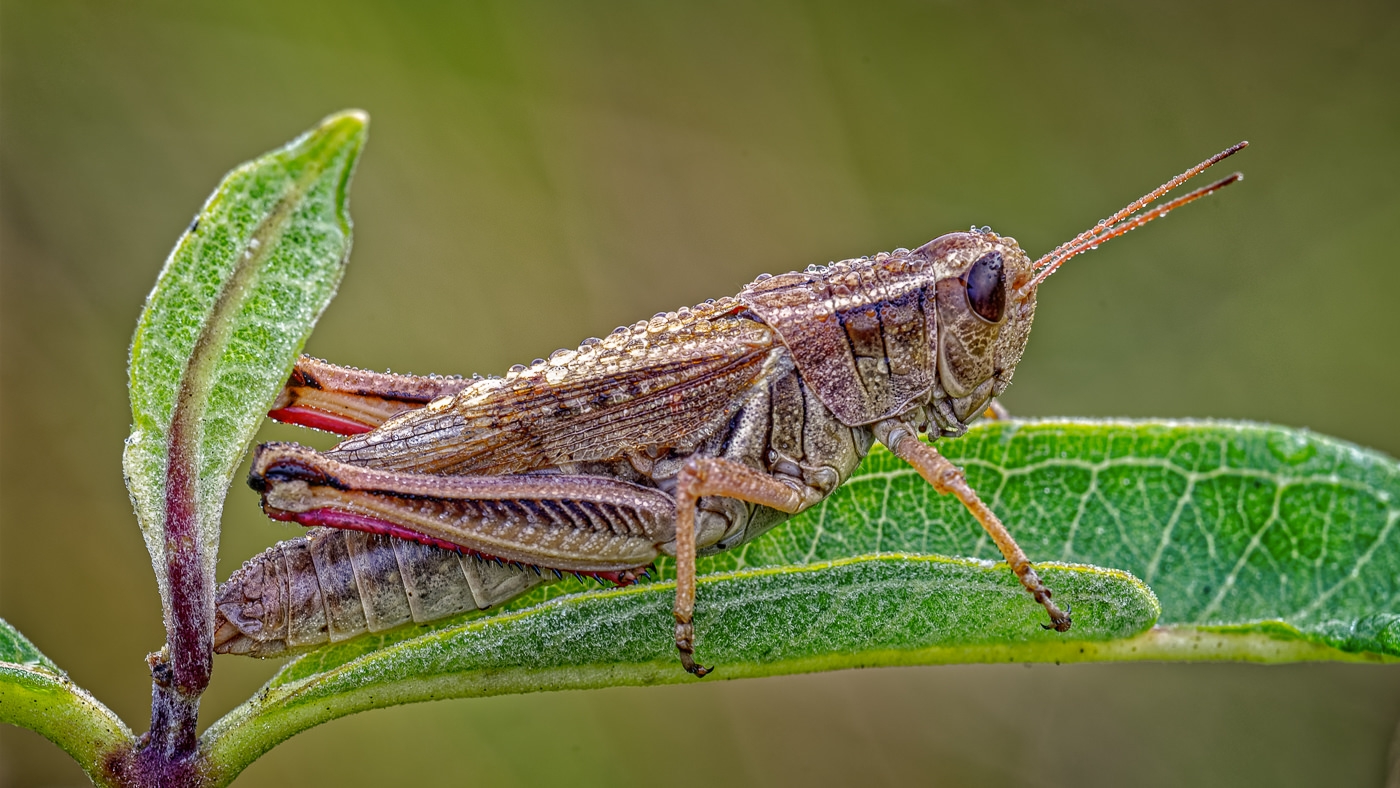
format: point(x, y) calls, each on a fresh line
point(986, 287)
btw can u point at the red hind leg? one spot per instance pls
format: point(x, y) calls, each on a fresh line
point(349, 401)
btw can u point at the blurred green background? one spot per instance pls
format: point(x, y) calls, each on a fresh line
point(541, 172)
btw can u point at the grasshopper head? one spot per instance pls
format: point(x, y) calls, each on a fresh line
point(984, 315)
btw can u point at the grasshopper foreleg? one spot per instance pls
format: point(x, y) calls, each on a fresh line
point(948, 478)
point(699, 477)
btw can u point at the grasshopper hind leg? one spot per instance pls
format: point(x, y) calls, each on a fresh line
point(349, 401)
point(700, 477)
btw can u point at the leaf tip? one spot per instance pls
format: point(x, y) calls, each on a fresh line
point(346, 123)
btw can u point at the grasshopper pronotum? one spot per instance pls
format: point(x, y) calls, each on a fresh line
point(694, 431)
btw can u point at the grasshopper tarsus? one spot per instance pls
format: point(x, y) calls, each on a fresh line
point(685, 646)
point(694, 431)
point(1059, 623)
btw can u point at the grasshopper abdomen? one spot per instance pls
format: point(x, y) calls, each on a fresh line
point(331, 585)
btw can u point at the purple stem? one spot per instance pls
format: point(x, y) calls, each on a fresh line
point(190, 633)
point(181, 672)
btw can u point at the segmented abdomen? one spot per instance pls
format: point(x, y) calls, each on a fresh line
point(331, 585)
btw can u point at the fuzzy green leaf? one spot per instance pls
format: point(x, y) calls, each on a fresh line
point(877, 610)
point(1263, 544)
point(230, 312)
point(35, 694)
point(1230, 524)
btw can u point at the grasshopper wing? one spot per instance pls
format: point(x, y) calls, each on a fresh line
point(662, 385)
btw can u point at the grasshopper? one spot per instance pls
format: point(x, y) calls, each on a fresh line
point(687, 434)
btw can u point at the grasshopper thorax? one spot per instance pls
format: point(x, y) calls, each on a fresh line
point(941, 326)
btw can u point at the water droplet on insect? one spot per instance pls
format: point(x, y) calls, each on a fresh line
point(516, 369)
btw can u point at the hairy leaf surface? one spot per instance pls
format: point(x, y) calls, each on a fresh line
point(1262, 543)
point(232, 308)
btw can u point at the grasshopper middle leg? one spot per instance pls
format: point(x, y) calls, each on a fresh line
point(699, 477)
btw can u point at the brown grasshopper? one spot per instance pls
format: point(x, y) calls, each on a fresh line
point(689, 433)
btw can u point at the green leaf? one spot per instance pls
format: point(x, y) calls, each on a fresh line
point(35, 694)
point(220, 332)
point(1230, 524)
point(885, 610)
point(16, 649)
point(1262, 543)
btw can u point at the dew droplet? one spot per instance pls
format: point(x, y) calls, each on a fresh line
point(1291, 447)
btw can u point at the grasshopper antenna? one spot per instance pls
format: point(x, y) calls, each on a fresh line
point(1112, 228)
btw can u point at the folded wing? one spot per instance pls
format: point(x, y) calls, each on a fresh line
point(656, 386)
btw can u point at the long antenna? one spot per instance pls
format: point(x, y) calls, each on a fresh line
point(1110, 228)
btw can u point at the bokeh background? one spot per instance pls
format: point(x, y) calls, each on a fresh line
point(540, 172)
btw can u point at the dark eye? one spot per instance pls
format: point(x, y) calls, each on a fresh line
point(986, 291)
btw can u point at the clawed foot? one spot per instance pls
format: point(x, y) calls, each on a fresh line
point(1059, 619)
point(685, 644)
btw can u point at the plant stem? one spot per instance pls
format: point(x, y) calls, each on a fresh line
point(181, 672)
